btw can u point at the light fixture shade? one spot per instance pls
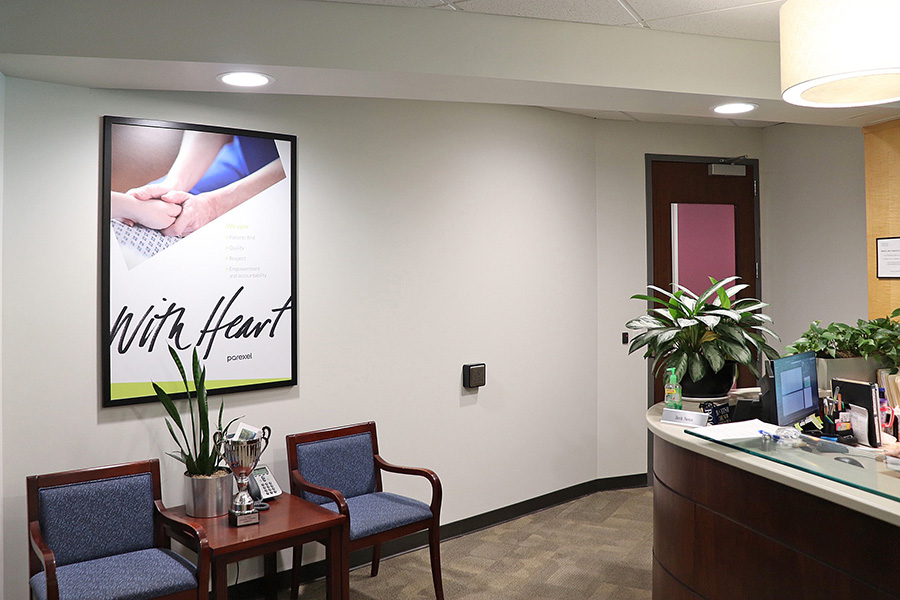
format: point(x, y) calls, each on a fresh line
point(839, 53)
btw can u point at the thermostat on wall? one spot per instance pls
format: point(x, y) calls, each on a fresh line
point(473, 375)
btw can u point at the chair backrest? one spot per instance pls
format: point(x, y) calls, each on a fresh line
point(345, 463)
point(85, 520)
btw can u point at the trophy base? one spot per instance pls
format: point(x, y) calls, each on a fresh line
point(241, 519)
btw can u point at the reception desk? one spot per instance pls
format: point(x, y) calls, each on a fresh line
point(731, 525)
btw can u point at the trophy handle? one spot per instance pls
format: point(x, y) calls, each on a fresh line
point(267, 431)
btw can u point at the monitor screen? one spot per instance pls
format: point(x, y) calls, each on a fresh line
point(796, 387)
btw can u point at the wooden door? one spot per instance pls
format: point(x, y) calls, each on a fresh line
point(687, 180)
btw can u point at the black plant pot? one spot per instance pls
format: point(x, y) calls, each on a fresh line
point(711, 385)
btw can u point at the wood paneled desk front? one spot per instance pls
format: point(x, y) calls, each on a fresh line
point(289, 522)
point(732, 525)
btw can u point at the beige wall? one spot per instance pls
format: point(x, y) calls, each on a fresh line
point(883, 213)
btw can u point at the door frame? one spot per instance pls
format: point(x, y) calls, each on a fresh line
point(649, 159)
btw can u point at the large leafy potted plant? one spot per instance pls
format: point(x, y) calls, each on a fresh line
point(208, 485)
point(704, 336)
point(852, 351)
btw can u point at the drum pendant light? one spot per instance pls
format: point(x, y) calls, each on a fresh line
point(840, 53)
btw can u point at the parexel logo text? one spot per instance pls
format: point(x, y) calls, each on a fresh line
point(232, 357)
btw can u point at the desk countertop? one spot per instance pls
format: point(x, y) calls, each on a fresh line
point(865, 502)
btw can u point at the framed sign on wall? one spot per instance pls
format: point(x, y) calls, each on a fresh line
point(198, 236)
point(887, 250)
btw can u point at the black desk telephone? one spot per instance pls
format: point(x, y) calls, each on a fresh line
point(262, 484)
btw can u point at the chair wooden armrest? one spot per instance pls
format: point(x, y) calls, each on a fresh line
point(431, 476)
point(298, 484)
point(192, 536)
point(45, 555)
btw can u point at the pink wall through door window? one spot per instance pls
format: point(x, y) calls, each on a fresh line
point(702, 244)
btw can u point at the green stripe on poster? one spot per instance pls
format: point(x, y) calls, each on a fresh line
point(122, 391)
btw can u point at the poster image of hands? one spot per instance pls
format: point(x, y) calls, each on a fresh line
point(198, 250)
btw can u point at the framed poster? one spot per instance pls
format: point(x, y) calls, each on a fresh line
point(888, 251)
point(198, 250)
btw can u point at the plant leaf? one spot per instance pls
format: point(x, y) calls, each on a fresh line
point(639, 341)
point(696, 366)
point(175, 437)
point(203, 454)
point(736, 351)
point(735, 290)
point(178, 457)
point(753, 303)
point(665, 335)
point(714, 288)
point(644, 322)
point(649, 299)
point(710, 321)
point(678, 361)
point(767, 331)
point(724, 312)
point(187, 391)
point(167, 403)
point(686, 292)
point(661, 291)
point(714, 356)
point(690, 304)
point(667, 316)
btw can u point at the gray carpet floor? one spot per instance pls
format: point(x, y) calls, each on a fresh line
point(594, 548)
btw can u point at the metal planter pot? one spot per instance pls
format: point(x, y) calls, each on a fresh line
point(858, 369)
point(208, 496)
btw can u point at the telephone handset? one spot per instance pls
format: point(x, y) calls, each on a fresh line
point(262, 484)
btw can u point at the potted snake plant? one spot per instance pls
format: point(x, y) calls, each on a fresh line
point(704, 336)
point(208, 484)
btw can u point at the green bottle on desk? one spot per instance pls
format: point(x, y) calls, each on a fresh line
point(673, 390)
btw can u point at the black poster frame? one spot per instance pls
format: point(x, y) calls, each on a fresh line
point(139, 335)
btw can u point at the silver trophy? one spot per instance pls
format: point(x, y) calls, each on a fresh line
point(242, 455)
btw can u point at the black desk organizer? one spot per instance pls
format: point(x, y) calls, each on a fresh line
point(718, 412)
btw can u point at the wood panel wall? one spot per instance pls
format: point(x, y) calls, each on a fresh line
point(882, 143)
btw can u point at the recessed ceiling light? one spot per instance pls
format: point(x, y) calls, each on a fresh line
point(735, 108)
point(244, 79)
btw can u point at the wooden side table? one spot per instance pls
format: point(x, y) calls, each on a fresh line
point(289, 522)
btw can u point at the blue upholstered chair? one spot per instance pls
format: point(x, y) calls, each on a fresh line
point(341, 470)
point(103, 533)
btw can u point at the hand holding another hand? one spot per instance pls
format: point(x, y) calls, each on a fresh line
point(195, 211)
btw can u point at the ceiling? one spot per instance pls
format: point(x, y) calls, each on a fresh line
point(635, 60)
point(742, 19)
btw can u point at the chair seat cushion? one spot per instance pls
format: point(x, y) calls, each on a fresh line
point(380, 511)
point(136, 575)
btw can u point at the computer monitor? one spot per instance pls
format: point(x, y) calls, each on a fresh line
point(796, 387)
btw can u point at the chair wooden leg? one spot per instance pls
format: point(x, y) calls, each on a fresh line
point(434, 545)
point(376, 558)
point(296, 563)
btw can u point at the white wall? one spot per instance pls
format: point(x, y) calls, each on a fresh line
point(622, 260)
point(431, 235)
point(813, 216)
point(2, 162)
